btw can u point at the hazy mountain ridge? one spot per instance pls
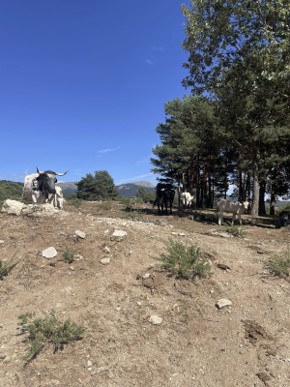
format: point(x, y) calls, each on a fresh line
point(127, 190)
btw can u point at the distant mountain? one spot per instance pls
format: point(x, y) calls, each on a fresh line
point(68, 189)
point(127, 190)
point(130, 190)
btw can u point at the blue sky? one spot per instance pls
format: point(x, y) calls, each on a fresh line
point(84, 83)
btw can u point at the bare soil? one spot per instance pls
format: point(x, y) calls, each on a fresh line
point(196, 344)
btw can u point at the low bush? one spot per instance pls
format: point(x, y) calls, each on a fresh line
point(69, 255)
point(184, 261)
point(279, 265)
point(236, 231)
point(5, 268)
point(47, 330)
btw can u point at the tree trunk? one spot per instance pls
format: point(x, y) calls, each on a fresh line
point(256, 189)
point(262, 208)
point(272, 205)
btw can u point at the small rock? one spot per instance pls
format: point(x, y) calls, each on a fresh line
point(221, 234)
point(264, 377)
point(223, 267)
point(105, 261)
point(223, 302)
point(89, 364)
point(146, 275)
point(80, 234)
point(1, 242)
point(118, 235)
point(155, 320)
point(106, 249)
point(50, 252)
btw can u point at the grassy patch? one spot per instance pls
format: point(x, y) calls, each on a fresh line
point(236, 231)
point(106, 205)
point(279, 265)
point(47, 330)
point(5, 268)
point(184, 261)
point(69, 255)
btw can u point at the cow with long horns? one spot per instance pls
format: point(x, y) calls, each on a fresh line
point(40, 187)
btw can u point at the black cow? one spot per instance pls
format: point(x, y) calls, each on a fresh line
point(164, 197)
point(284, 218)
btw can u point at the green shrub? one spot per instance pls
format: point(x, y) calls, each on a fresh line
point(47, 330)
point(69, 255)
point(184, 261)
point(279, 265)
point(5, 268)
point(236, 231)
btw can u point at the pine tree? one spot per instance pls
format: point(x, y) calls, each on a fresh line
point(98, 187)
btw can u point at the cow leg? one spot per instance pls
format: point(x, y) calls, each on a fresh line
point(220, 218)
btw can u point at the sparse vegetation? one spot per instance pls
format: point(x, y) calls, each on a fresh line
point(236, 231)
point(184, 261)
point(74, 201)
point(134, 215)
point(69, 255)
point(5, 268)
point(279, 265)
point(47, 330)
point(10, 190)
point(106, 205)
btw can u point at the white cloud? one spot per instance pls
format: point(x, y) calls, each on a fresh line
point(157, 48)
point(102, 151)
point(149, 62)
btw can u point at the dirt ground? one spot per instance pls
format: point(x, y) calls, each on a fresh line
point(196, 344)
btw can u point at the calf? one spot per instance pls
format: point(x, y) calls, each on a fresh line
point(237, 208)
point(164, 197)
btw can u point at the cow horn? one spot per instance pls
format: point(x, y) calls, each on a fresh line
point(52, 172)
point(61, 174)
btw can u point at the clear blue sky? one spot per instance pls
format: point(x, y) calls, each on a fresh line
point(83, 84)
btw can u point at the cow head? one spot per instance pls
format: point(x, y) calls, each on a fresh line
point(46, 181)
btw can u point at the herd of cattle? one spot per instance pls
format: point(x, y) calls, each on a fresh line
point(41, 188)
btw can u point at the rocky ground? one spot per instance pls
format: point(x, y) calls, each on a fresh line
point(143, 326)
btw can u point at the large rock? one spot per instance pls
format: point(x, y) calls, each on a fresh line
point(18, 208)
point(13, 207)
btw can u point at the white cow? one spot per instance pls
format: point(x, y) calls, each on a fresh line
point(187, 199)
point(40, 188)
point(237, 208)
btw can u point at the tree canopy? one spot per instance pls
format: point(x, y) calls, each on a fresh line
point(99, 186)
point(236, 127)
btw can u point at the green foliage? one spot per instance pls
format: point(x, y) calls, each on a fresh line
point(286, 208)
point(147, 197)
point(279, 265)
point(69, 255)
point(239, 56)
point(236, 231)
point(5, 268)
point(47, 330)
point(10, 190)
point(99, 186)
point(184, 261)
